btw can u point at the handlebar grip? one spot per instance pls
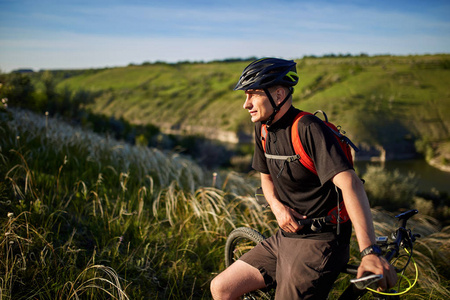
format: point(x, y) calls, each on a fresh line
point(365, 281)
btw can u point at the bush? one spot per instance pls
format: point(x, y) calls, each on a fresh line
point(391, 190)
point(425, 207)
point(424, 147)
point(435, 204)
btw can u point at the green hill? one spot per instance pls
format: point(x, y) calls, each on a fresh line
point(387, 104)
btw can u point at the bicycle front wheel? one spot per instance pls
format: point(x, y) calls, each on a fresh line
point(240, 241)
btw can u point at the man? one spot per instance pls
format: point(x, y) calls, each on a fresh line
point(303, 262)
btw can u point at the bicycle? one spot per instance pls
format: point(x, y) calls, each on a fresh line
point(242, 239)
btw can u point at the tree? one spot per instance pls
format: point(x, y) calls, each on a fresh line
point(19, 90)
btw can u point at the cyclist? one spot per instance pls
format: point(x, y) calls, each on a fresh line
point(302, 262)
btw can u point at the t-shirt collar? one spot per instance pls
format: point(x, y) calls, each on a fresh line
point(285, 120)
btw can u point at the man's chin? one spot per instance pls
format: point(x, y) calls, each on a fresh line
point(257, 119)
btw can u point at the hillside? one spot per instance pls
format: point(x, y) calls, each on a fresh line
point(388, 105)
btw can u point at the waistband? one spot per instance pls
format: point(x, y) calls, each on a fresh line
point(327, 232)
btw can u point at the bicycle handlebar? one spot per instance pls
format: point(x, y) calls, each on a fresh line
point(402, 239)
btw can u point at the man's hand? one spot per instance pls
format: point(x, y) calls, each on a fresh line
point(286, 217)
point(378, 265)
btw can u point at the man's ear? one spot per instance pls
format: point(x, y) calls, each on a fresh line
point(281, 94)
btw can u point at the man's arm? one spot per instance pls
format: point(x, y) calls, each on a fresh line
point(358, 208)
point(286, 216)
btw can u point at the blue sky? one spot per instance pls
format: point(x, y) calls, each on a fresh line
point(65, 34)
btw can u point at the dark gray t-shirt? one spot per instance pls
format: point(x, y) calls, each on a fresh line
point(309, 194)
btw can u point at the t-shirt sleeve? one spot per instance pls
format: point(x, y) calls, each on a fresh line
point(322, 146)
point(259, 160)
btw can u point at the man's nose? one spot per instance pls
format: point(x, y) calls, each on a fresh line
point(247, 103)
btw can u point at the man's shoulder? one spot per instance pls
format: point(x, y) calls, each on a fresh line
point(308, 119)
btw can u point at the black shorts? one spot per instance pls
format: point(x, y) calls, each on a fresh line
point(302, 268)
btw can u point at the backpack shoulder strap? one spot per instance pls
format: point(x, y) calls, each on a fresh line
point(264, 136)
point(305, 160)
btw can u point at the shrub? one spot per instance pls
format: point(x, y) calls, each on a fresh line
point(425, 207)
point(424, 147)
point(391, 190)
point(435, 204)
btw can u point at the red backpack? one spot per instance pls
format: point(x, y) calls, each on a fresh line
point(300, 152)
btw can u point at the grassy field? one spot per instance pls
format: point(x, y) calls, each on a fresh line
point(83, 216)
point(369, 96)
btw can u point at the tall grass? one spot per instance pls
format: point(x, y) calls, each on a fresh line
point(84, 202)
point(87, 217)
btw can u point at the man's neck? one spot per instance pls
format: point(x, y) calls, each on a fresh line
point(282, 112)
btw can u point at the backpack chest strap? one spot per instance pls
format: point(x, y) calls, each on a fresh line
point(287, 158)
point(284, 158)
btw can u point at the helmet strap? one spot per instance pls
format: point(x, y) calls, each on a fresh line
point(276, 108)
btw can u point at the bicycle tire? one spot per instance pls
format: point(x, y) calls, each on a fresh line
point(249, 236)
point(239, 241)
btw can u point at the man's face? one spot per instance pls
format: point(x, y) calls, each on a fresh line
point(258, 105)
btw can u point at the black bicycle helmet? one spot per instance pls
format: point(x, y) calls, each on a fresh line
point(267, 72)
